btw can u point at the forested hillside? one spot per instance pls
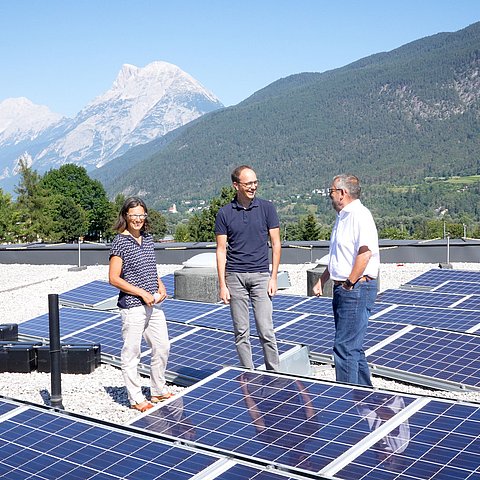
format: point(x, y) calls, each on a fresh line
point(404, 121)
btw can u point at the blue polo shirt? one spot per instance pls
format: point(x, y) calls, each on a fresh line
point(139, 266)
point(247, 234)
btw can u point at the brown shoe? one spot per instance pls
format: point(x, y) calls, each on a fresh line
point(161, 398)
point(142, 407)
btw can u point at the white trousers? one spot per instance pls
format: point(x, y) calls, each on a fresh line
point(150, 323)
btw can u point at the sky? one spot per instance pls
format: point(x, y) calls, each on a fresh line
point(64, 53)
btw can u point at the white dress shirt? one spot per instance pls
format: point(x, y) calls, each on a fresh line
point(354, 228)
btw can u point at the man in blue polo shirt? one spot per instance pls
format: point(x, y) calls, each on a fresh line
point(243, 228)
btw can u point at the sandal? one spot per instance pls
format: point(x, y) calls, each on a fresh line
point(161, 398)
point(142, 407)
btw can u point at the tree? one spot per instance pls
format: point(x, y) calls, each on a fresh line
point(158, 224)
point(72, 181)
point(201, 227)
point(9, 216)
point(32, 200)
point(70, 221)
point(181, 233)
point(309, 228)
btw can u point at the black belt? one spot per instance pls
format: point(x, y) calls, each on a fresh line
point(363, 278)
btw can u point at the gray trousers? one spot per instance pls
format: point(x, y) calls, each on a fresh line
point(243, 288)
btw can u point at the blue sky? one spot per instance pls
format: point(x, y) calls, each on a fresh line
point(64, 53)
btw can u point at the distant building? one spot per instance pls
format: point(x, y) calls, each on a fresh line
point(173, 209)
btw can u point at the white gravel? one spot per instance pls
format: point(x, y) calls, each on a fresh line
point(24, 293)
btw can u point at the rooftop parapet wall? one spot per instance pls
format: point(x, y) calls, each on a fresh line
point(402, 251)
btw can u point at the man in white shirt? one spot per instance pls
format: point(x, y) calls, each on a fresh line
point(353, 266)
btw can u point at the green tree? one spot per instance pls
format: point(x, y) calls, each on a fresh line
point(158, 224)
point(9, 216)
point(309, 228)
point(181, 233)
point(393, 233)
point(73, 182)
point(32, 201)
point(70, 221)
point(201, 227)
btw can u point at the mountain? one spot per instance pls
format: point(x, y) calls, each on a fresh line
point(25, 126)
point(393, 118)
point(142, 105)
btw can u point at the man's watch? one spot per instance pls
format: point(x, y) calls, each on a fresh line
point(348, 283)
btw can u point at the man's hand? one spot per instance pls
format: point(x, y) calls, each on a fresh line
point(224, 295)
point(272, 287)
point(318, 288)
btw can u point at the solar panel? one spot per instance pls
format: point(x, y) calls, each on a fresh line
point(464, 288)
point(285, 302)
point(331, 431)
point(444, 356)
point(317, 305)
point(469, 302)
point(442, 442)
point(185, 311)
point(221, 319)
point(96, 294)
point(444, 318)
point(323, 306)
point(109, 335)
point(71, 320)
point(435, 277)
point(321, 333)
point(169, 282)
point(204, 351)
point(41, 444)
point(413, 297)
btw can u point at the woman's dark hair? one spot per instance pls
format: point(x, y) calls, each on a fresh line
point(132, 202)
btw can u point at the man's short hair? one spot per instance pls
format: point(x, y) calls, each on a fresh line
point(237, 172)
point(350, 183)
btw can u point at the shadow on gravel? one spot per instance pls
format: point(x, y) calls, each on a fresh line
point(120, 396)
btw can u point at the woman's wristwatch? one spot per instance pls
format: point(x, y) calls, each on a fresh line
point(348, 283)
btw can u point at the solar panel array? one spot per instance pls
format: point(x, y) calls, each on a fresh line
point(236, 424)
point(303, 321)
point(435, 277)
point(43, 444)
point(327, 430)
point(196, 352)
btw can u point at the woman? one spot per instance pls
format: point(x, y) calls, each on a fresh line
point(133, 270)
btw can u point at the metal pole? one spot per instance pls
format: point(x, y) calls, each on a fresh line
point(79, 261)
point(55, 359)
point(448, 249)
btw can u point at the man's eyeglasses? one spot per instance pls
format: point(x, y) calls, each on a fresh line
point(137, 216)
point(331, 190)
point(248, 184)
